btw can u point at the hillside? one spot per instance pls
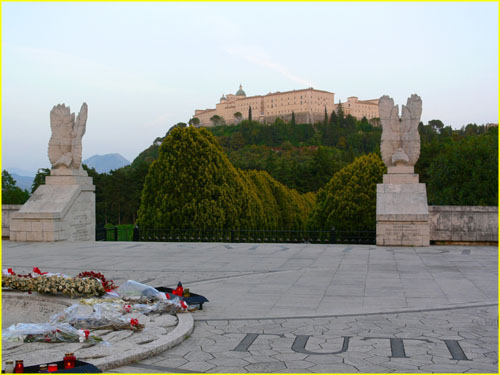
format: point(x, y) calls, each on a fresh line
point(24, 182)
point(106, 163)
point(306, 156)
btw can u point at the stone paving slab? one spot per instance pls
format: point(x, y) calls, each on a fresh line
point(402, 308)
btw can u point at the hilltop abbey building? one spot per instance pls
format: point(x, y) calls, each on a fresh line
point(308, 106)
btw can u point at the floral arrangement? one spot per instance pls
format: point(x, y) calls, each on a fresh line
point(62, 336)
point(101, 318)
point(87, 283)
point(108, 285)
point(48, 332)
point(92, 322)
point(54, 284)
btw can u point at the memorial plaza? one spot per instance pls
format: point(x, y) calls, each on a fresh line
point(401, 306)
point(301, 308)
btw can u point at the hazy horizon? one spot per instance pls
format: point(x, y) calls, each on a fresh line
point(143, 67)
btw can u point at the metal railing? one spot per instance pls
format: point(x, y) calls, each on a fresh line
point(100, 232)
point(332, 236)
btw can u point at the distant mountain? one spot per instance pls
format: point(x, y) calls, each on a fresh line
point(106, 163)
point(21, 172)
point(24, 182)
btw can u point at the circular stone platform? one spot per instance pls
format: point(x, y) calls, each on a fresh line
point(118, 348)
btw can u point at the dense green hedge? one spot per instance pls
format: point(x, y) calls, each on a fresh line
point(193, 184)
point(348, 201)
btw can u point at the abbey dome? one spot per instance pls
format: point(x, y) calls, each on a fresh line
point(240, 92)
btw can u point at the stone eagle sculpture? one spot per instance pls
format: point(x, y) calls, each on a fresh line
point(65, 145)
point(400, 143)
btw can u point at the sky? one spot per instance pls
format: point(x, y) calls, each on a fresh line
point(143, 67)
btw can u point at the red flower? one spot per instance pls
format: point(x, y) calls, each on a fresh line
point(37, 270)
point(134, 322)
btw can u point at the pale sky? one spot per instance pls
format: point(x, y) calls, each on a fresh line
point(142, 67)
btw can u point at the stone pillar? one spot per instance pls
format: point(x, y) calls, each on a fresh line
point(402, 212)
point(62, 209)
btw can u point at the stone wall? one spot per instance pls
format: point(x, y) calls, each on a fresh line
point(300, 117)
point(463, 223)
point(7, 211)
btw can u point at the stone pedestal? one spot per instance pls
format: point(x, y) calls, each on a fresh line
point(62, 209)
point(402, 211)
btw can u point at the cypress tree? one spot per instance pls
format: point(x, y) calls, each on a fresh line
point(333, 118)
point(259, 183)
point(192, 184)
point(340, 114)
point(249, 113)
point(292, 209)
point(348, 201)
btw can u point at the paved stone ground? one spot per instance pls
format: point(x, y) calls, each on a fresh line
point(274, 307)
point(455, 340)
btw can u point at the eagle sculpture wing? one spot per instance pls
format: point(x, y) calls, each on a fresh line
point(77, 134)
point(389, 117)
point(410, 117)
point(61, 124)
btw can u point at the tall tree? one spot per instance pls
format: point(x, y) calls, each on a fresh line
point(340, 114)
point(348, 201)
point(217, 120)
point(333, 118)
point(39, 178)
point(249, 113)
point(238, 117)
point(193, 185)
point(194, 121)
point(11, 193)
point(437, 125)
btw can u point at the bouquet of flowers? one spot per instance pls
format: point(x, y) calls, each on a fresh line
point(55, 284)
point(85, 284)
point(100, 318)
point(48, 332)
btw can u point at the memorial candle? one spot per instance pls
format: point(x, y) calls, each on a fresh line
point(52, 367)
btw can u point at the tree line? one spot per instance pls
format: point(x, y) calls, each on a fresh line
point(460, 167)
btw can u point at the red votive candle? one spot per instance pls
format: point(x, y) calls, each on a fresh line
point(52, 367)
point(69, 360)
point(19, 368)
